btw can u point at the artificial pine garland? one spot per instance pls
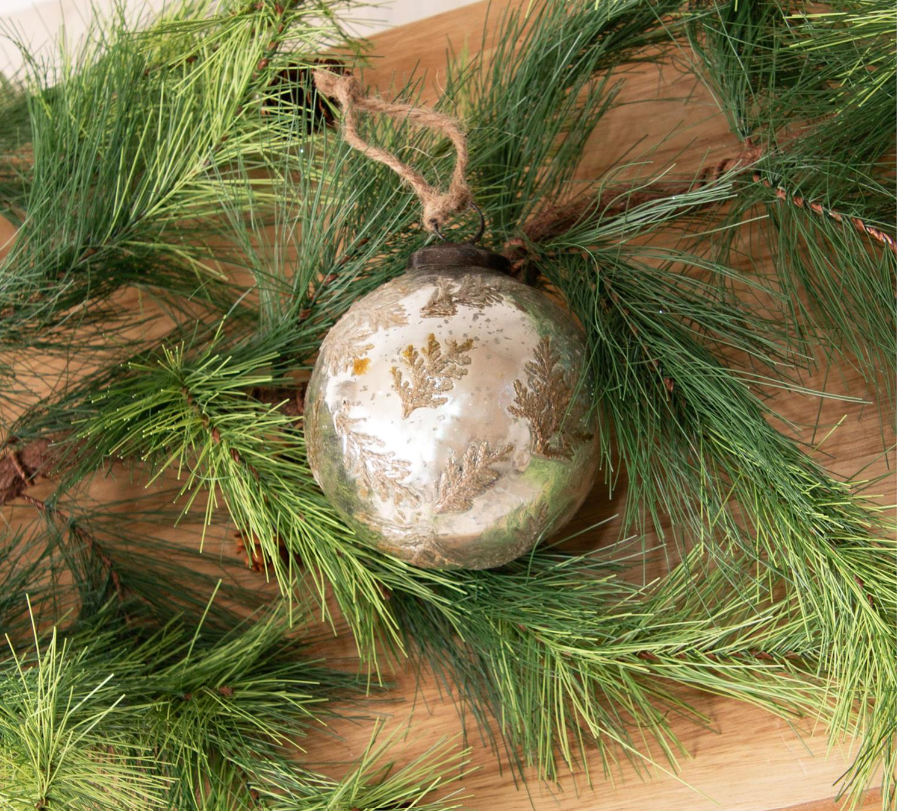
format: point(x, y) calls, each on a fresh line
point(176, 162)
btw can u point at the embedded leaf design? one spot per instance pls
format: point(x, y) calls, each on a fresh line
point(545, 400)
point(410, 542)
point(314, 452)
point(462, 481)
point(348, 343)
point(375, 470)
point(393, 315)
point(431, 373)
point(471, 291)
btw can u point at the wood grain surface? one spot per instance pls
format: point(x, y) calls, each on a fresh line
point(746, 760)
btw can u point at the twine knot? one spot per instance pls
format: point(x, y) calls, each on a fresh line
point(437, 206)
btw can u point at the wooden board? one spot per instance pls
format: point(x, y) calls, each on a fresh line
point(748, 760)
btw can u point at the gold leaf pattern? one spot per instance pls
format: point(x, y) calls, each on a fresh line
point(313, 448)
point(375, 470)
point(419, 547)
point(386, 317)
point(348, 344)
point(471, 291)
point(462, 481)
point(431, 373)
point(545, 402)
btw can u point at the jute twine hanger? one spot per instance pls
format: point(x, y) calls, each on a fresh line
point(437, 206)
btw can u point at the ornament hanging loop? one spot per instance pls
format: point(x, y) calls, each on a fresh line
point(436, 227)
point(437, 206)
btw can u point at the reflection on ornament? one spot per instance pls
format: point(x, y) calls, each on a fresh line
point(448, 414)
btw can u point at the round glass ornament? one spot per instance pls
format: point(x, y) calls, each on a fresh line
point(447, 417)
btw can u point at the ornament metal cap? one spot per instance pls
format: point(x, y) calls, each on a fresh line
point(457, 254)
point(449, 254)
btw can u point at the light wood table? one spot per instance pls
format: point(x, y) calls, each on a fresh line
point(751, 761)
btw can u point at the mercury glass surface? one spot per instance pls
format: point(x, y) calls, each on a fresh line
point(447, 418)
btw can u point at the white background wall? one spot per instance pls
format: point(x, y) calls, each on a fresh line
point(38, 21)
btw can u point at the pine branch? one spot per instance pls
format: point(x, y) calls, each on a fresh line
point(135, 142)
point(817, 208)
point(561, 57)
point(192, 414)
point(560, 655)
point(784, 81)
point(611, 202)
point(77, 557)
point(810, 531)
point(144, 719)
point(376, 783)
point(80, 536)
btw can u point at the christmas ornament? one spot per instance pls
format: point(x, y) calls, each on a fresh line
point(447, 417)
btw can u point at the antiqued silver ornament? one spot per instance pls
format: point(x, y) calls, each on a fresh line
point(447, 416)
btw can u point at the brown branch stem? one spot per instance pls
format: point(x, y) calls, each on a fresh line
point(556, 220)
point(21, 466)
point(818, 208)
point(648, 656)
point(214, 432)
